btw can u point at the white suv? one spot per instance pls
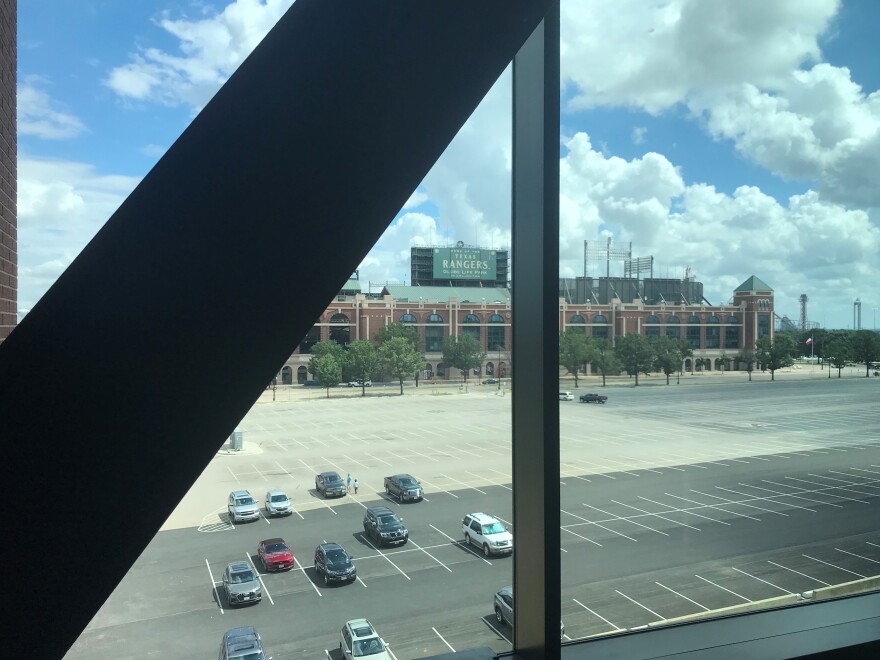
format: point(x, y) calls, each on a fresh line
point(487, 533)
point(566, 396)
point(358, 639)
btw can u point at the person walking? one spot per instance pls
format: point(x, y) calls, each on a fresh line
point(355, 486)
point(348, 483)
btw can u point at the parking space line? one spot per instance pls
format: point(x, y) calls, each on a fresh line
point(364, 537)
point(402, 458)
point(687, 510)
point(798, 572)
point(797, 497)
point(306, 575)
point(752, 498)
point(845, 570)
point(354, 460)
point(291, 476)
point(657, 515)
point(718, 497)
point(494, 451)
point(596, 614)
point(705, 609)
point(859, 556)
point(871, 484)
point(761, 580)
point(446, 476)
point(713, 506)
point(430, 555)
point(748, 600)
point(625, 519)
point(565, 529)
point(503, 474)
point(494, 483)
point(590, 522)
point(442, 640)
point(265, 478)
point(259, 577)
point(648, 609)
point(667, 467)
point(378, 459)
point(826, 487)
point(440, 489)
point(874, 544)
point(282, 447)
point(233, 474)
point(693, 460)
point(461, 544)
point(390, 652)
point(214, 586)
point(423, 455)
point(495, 630)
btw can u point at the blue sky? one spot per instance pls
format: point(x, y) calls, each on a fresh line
point(734, 138)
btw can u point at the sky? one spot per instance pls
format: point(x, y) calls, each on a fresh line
point(732, 138)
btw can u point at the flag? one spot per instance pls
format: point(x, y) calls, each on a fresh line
point(809, 341)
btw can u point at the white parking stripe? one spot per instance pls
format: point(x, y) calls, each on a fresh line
point(214, 586)
point(827, 487)
point(706, 609)
point(648, 609)
point(596, 614)
point(748, 600)
point(769, 499)
point(440, 489)
point(442, 640)
point(607, 529)
point(712, 506)
point(688, 510)
point(495, 630)
point(462, 545)
point(233, 474)
point(446, 476)
point(762, 580)
point(777, 494)
point(859, 556)
point(300, 567)
point(364, 537)
point(354, 460)
point(626, 519)
point(430, 555)
point(376, 458)
point(265, 478)
point(798, 572)
point(874, 544)
point(845, 570)
point(752, 506)
point(564, 529)
point(657, 515)
point(494, 483)
point(291, 476)
point(259, 577)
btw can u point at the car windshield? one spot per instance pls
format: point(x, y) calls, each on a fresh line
point(278, 498)
point(241, 577)
point(276, 547)
point(386, 521)
point(409, 483)
point(333, 479)
point(244, 500)
point(337, 557)
point(362, 647)
point(493, 528)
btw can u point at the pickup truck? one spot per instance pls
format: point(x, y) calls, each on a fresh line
point(404, 487)
point(593, 398)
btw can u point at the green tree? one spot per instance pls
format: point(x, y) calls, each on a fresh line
point(363, 361)
point(575, 349)
point(606, 361)
point(322, 348)
point(635, 354)
point(400, 359)
point(747, 358)
point(866, 348)
point(839, 353)
point(395, 330)
point(463, 353)
point(328, 371)
point(775, 353)
point(667, 355)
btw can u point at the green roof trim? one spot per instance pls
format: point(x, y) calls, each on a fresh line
point(753, 284)
point(352, 285)
point(471, 294)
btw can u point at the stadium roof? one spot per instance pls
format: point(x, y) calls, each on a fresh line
point(351, 285)
point(441, 294)
point(753, 284)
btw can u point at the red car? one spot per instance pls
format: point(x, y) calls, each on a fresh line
point(275, 555)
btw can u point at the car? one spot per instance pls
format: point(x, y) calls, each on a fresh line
point(359, 638)
point(241, 506)
point(330, 484)
point(358, 383)
point(242, 643)
point(334, 563)
point(241, 584)
point(275, 555)
point(404, 487)
point(504, 609)
point(488, 533)
point(566, 396)
point(490, 381)
point(278, 504)
point(593, 398)
point(311, 383)
point(383, 525)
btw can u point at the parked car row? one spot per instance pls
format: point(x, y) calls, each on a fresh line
point(358, 638)
point(585, 398)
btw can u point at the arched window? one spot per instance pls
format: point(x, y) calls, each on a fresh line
point(287, 376)
point(731, 332)
point(341, 335)
point(673, 329)
point(495, 336)
point(577, 322)
point(688, 365)
point(441, 370)
point(490, 368)
point(434, 336)
point(312, 337)
point(600, 331)
point(469, 328)
point(693, 335)
point(713, 332)
point(407, 318)
point(652, 326)
point(302, 375)
point(429, 370)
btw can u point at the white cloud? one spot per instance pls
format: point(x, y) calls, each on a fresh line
point(638, 134)
point(211, 49)
point(39, 115)
point(415, 200)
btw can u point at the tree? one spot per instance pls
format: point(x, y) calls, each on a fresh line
point(866, 348)
point(606, 361)
point(575, 349)
point(463, 352)
point(667, 356)
point(775, 353)
point(635, 354)
point(395, 330)
point(398, 356)
point(363, 361)
point(839, 353)
point(328, 371)
point(748, 359)
point(326, 347)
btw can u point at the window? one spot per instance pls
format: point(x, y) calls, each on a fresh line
point(652, 326)
point(577, 322)
point(693, 331)
point(673, 329)
point(312, 337)
point(407, 318)
point(600, 331)
point(470, 327)
point(763, 325)
point(731, 332)
point(495, 335)
point(434, 335)
point(713, 332)
point(339, 329)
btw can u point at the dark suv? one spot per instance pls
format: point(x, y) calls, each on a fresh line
point(334, 563)
point(383, 525)
point(330, 483)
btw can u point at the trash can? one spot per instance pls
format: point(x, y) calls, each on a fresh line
point(236, 440)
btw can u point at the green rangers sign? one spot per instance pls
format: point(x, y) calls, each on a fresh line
point(464, 264)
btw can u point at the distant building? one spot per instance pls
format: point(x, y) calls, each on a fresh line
point(8, 170)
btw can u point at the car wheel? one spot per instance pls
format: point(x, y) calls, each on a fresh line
point(498, 616)
point(467, 539)
point(486, 549)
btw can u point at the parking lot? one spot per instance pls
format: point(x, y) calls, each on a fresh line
point(674, 502)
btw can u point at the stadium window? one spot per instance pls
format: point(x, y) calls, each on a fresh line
point(673, 327)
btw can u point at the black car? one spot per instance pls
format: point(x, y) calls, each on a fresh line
point(334, 563)
point(490, 381)
point(330, 484)
point(384, 527)
point(593, 398)
point(404, 487)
